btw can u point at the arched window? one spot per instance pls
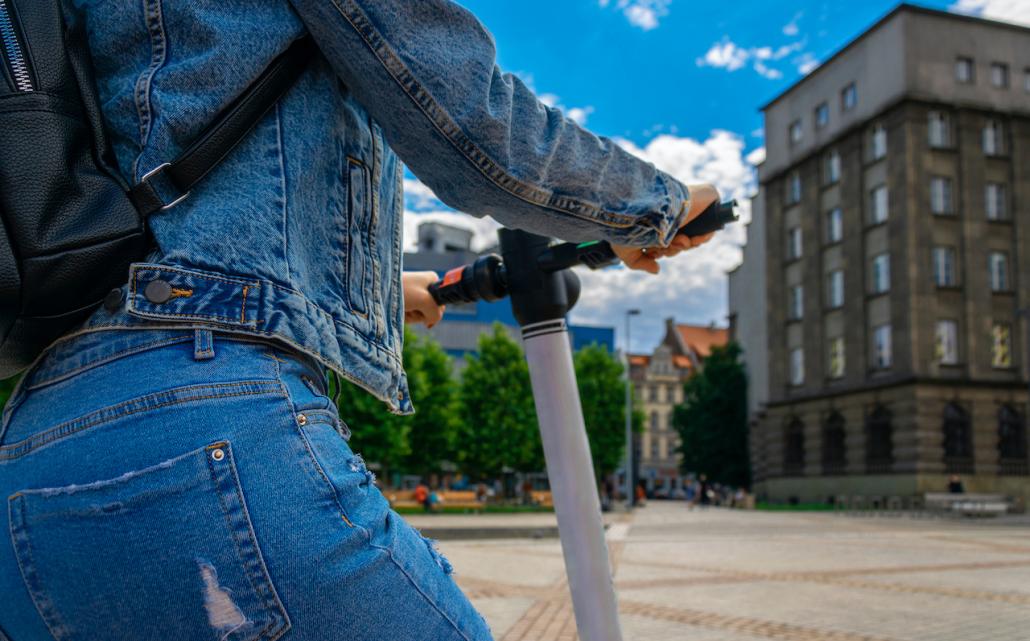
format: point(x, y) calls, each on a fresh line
point(958, 440)
point(794, 448)
point(835, 455)
point(1012, 453)
point(879, 452)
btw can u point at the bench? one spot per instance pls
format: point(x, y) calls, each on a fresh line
point(967, 504)
point(450, 498)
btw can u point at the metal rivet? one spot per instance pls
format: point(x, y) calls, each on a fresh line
point(218, 454)
point(302, 419)
point(158, 291)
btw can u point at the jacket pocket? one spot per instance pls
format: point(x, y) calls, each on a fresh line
point(166, 552)
point(359, 256)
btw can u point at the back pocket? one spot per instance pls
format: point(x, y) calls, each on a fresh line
point(167, 552)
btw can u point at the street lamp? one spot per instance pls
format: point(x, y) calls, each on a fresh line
point(629, 417)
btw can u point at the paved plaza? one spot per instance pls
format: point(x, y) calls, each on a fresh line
point(742, 576)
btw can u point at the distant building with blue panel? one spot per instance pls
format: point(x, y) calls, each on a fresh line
point(443, 247)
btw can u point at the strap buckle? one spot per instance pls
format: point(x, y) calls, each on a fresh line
point(159, 170)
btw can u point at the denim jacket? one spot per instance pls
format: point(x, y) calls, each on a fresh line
point(296, 236)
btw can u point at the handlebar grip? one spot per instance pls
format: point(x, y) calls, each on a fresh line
point(713, 218)
point(484, 279)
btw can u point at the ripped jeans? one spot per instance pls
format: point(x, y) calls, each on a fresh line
point(180, 484)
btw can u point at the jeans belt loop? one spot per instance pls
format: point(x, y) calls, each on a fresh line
point(203, 345)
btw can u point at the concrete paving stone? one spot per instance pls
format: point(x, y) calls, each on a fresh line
point(743, 576)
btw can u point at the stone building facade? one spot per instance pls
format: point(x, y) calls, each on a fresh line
point(896, 196)
point(658, 382)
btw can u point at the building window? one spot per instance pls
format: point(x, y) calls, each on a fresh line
point(998, 263)
point(794, 243)
point(797, 367)
point(831, 167)
point(993, 139)
point(879, 201)
point(944, 274)
point(655, 420)
point(883, 355)
point(879, 453)
point(1001, 346)
point(940, 129)
point(834, 225)
point(1012, 452)
point(878, 142)
point(835, 289)
point(796, 132)
point(797, 302)
point(946, 348)
point(848, 97)
point(940, 195)
point(837, 364)
point(822, 115)
point(794, 448)
point(794, 188)
point(835, 451)
point(654, 448)
point(964, 70)
point(881, 281)
point(999, 75)
point(958, 440)
point(996, 202)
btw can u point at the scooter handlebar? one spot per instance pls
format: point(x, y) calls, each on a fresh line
point(486, 278)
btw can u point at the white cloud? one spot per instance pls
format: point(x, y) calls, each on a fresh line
point(1007, 10)
point(806, 63)
point(645, 14)
point(730, 56)
point(577, 115)
point(791, 28)
point(757, 156)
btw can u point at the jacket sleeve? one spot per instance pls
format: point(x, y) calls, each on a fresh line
point(480, 139)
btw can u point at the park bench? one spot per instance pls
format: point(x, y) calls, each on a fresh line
point(966, 504)
point(451, 498)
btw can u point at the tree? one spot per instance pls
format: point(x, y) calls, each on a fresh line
point(602, 393)
point(712, 421)
point(499, 426)
point(433, 430)
point(379, 436)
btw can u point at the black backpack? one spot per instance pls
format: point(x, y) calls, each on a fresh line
point(71, 226)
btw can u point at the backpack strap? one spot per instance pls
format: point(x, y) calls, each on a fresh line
point(229, 128)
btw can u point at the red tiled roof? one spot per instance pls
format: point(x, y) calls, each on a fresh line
point(701, 339)
point(639, 359)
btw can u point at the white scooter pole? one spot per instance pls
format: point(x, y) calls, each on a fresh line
point(573, 485)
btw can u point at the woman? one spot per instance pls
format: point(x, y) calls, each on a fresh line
point(175, 469)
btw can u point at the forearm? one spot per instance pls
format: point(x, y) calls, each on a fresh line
point(481, 139)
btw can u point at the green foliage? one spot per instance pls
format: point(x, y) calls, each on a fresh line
point(433, 431)
point(379, 436)
point(712, 421)
point(499, 427)
point(602, 392)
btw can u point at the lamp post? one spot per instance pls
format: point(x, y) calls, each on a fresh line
point(629, 417)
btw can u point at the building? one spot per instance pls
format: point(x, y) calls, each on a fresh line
point(895, 207)
point(442, 247)
point(749, 327)
point(658, 380)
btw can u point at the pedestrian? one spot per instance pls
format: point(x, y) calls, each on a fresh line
point(705, 491)
point(422, 496)
point(955, 485)
point(176, 465)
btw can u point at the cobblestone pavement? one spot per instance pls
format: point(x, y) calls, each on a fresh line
point(747, 576)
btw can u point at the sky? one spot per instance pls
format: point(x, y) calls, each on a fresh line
point(679, 83)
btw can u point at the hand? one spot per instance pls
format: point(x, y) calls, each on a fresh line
point(646, 258)
point(419, 306)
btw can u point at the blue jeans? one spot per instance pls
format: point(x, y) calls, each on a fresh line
point(182, 484)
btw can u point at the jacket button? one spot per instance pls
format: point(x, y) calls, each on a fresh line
point(113, 300)
point(158, 291)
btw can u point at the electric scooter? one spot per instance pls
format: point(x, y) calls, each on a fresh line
point(543, 289)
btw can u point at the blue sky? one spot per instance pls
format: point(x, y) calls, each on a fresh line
point(680, 83)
